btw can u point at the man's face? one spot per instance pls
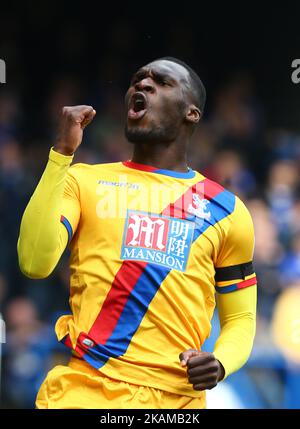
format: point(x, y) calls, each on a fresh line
point(156, 102)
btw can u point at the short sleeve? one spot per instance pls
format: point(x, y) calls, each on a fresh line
point(70, 212)
point(234, 266)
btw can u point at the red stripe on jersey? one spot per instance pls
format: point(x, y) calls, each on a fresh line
point(246, 283)
point(205, 188)
point(67, 341)
point(211, 189)
point(137, 166)
point(115, 301)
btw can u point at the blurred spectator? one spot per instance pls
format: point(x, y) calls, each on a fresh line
point(282, 145)
point(27, 353)
point(228, 169)
point(281, 194)
point(65, 91)
point(237, 120)
point(9, 115)
point(290, 264)
point(285, 326)
point(267, 256)
point(16, 185)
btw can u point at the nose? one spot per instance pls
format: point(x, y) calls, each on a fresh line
point(144, 85)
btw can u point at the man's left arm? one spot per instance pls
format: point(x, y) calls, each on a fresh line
point(236, 295)
point(237, 314)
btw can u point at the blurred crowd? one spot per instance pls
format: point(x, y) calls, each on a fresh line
point(234, 146)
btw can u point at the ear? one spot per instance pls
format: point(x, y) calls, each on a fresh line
point(193, 114)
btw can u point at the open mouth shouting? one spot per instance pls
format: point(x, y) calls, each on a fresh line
point(137, 106)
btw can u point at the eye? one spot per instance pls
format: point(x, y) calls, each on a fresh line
point(161, 81)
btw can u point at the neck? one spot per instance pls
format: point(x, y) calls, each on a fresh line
point(161, 156)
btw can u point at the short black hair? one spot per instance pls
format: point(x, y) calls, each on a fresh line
point(197, 85)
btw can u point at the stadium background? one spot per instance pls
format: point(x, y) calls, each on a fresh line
point(73, 53)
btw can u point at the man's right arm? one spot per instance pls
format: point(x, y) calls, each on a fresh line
point(43, 237)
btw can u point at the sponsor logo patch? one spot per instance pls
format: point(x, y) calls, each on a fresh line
point(157, 239)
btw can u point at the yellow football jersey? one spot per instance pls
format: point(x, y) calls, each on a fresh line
point(149, 249)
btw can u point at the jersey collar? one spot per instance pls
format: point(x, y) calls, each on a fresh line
point(143, 167)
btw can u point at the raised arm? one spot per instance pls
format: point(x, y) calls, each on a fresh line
point(44, 232)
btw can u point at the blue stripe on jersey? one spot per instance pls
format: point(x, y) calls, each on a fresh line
point(133, 313)
point(226, 289)
point(221, 206)
point(68, 226)
point(184, 175)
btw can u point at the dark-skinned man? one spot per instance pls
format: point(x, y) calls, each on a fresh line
point(154, 245)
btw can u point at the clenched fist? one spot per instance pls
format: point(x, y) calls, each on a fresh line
point(73, 121)
point(203, 369)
